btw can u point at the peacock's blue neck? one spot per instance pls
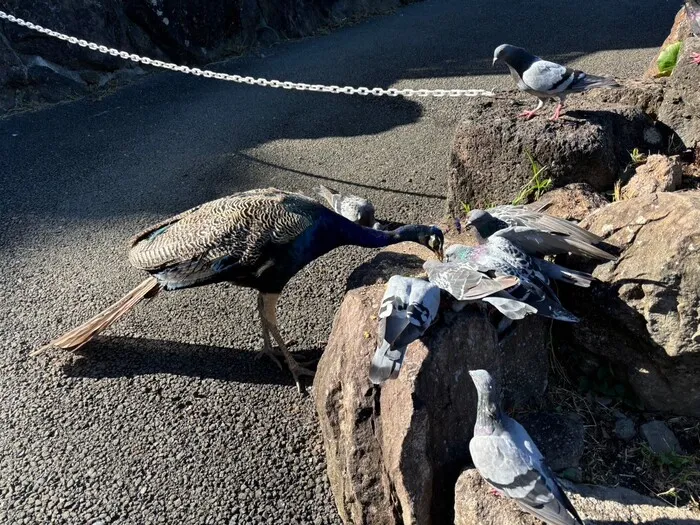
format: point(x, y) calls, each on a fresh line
point(370, 238)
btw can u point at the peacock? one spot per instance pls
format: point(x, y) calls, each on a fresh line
point(257, 239)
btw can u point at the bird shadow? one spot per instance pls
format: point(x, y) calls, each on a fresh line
point(115, 357)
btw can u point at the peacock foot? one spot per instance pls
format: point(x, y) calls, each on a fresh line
point(298, 371)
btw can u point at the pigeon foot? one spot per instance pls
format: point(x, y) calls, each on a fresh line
point(527, 115)
point(695, 58)
point(557, 112)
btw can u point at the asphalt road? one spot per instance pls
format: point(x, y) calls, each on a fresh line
point(171, 419)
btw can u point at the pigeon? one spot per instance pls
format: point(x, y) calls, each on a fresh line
point(499, 256)
point(487, 222)
point(356, 209)
point(544, 79)
point(508, 459)
point(408, 308)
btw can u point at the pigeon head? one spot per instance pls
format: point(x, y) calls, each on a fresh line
point(488, 410)
point(478, 217)
point(506, 53)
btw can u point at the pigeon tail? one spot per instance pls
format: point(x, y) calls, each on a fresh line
point(585, 82)
point(386, 363)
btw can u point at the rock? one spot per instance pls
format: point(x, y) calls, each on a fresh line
point(644, 317)
point(646, 94)
point(591, 143)
point(624, 428)
point(660, 438)
point(597, 505)
point(572, 202)
point(394, 453)
point(659, 173)
point(558, 436)
point(680, 109)
point(679, 32)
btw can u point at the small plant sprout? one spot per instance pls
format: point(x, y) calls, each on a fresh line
point(637, 157)
point(466, 207)
point(537, 185)
point(617, 191)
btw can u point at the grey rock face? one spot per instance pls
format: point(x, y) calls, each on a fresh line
point(661, 439)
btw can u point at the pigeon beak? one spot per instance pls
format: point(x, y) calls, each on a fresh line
point(440, 254)
point(493, 64)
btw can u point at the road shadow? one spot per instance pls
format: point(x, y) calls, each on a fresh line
point(125, 357)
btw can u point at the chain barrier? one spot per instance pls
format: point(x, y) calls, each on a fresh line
point(300, 86)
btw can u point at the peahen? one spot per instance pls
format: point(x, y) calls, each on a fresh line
point(258, 239)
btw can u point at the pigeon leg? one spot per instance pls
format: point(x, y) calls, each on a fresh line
point(557, 111)
point(529, 114)
point(269, 313)
point(695, 58)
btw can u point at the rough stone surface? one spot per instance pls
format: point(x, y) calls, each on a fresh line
point(394, 453)
point(489, 162)
point(679, 31)
point(644, 317)
point(660, 438)
point(558, 436)
point(161, 29)
point(659, 173)
point(645, 94)
point(680, 109)
point(624, 428)
point(573, 202)
point(597, 505)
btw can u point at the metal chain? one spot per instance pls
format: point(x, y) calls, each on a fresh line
point(300, 86)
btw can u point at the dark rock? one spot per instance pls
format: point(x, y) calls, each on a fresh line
point(597, 505)
point(394, 453)
point(647, 95)
point(624, 428)
point(591, 144)
point(680, 109)
point(643, 318)
point(559, 437)
point(573, 202)
point(660, 438)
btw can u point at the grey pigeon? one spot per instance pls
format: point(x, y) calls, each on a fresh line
point(499, 256)
point(408, 308)
point(508, 459)
point(356, 209)
point(546, 80)
point(487, 222)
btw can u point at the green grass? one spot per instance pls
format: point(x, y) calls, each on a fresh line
point(537, 186)
point(637, 157)
point(617, 191)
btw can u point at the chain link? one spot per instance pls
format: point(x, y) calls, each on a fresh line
point(299, 86)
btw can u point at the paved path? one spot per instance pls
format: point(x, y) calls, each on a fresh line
point(171, 419)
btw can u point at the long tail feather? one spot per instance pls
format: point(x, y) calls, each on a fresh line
point(566, 275)
point(592, 81)
point(79, 336)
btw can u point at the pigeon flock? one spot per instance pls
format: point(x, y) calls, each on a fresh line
point(261, 238)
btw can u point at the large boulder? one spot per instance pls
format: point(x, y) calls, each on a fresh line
point(394, 453)
point(597, 505)
point(644, 318)
point(680, 109)
point(591, 143)
point(659, 173)
point(679, 32)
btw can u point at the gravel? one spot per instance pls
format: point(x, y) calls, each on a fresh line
point(170, 418)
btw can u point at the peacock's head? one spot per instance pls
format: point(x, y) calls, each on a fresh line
point(433, 238)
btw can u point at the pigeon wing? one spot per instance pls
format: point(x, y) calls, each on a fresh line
point(464, 282)
point(548, 77)
point(536, 243)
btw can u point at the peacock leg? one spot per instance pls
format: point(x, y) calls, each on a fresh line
point(267, 344)
point(269, 314)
